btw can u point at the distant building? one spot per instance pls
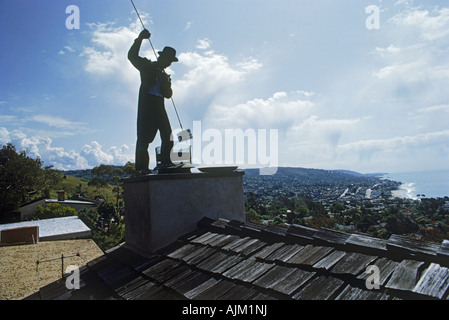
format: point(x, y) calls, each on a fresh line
point(27, 209)
point(64, 228)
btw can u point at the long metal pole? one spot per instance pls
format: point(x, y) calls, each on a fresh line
point(154, 51)
point(138, 15)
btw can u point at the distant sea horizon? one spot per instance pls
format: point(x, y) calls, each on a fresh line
point(427, 184)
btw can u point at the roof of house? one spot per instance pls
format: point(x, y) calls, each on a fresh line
point(18, 270)
point(230, 260)
point(54, 229)
point(78, 201)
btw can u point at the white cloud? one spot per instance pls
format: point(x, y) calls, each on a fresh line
point(7, 118)
point(42, 147)
point(69, 49)
point(188, 25)
point(444, 108)
point(4, 136)
point(210, 77)
point(106, 58)
point(58, 122)
point(404, 153)
point(323, 131)
point(279, 111)
point(93, 153)
point(389, 50)
point(431, 26)
point(121, 155)
point(203, 44)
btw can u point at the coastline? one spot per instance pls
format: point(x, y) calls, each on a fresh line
point(421, 184)
point(405, 191)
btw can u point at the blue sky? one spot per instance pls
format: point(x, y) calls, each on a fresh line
point(341, 96)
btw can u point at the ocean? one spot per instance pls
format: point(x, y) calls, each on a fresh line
point(427, 184)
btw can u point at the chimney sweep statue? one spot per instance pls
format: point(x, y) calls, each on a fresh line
point(152, 116)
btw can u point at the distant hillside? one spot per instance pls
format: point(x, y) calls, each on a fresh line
point(312, 183)
point(305, 175)
point(304, 182)
point(315, 176)
point(76, 183)
point(83, 174)
point(378, 175)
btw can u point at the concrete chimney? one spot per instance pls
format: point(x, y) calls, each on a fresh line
point(161, 208)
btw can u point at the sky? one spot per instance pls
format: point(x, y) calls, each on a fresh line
point(341, 89)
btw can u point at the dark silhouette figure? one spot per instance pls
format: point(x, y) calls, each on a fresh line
point(152, 116)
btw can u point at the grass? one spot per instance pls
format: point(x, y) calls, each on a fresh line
point(73, 186)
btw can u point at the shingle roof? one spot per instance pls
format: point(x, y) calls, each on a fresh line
point(230, 260)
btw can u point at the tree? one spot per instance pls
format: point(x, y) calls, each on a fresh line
point(90, 217)
point(97, 182)
point(252, 216)
point(130, 168)
point(20, 177)
point(53, 210)
point(290, 216)
point(116, 180)
point(108, 212)
point(48, 179)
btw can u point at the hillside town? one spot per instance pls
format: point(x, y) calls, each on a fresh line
point(345, 201)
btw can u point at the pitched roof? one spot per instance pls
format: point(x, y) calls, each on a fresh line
point(230, 260)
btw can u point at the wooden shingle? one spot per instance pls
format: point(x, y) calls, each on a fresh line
point(294, 281)
point(330, 260)
point(353, 264)
point(321, 288)
point(331, 237)
point(367, 244)
point(386, 268)
point(404, 245)
point(434, 282)
point(309, 255)
point(405, 276)
point(352, 293)
point(273, 277)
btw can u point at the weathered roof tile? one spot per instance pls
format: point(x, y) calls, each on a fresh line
point(286, 254)
point(434, 282)
point(386, 268)
point(353, 293)
point(330, 260)
point(404, 245)
point(301, 232)
point(253, 271)
point(273, 277)
point(331, 237)
point(366, 243)
point(291, 283)
point(215, 291)
point(353, 264)
point(265, 252)
point(187, 281)
point(309, 255)
point(219, 262)
point(405, 275)
point(192, 294)
point(321, 288)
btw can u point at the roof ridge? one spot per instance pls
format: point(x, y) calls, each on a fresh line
point(397, 246)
